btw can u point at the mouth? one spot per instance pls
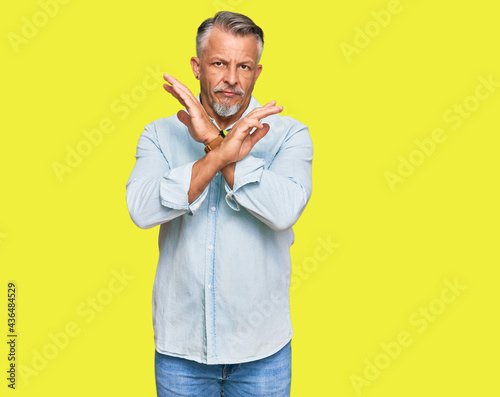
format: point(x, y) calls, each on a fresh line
point(228, 94)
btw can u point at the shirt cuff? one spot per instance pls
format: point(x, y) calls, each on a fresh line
point(247, 170)
point(174, 188)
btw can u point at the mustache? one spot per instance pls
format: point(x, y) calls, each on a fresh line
point(237, 91)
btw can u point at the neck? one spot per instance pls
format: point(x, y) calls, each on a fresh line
point(224, 122)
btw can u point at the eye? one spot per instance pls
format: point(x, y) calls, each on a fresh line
point(245, 67)
point(218, 63)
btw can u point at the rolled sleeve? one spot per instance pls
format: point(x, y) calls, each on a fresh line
point(247, 170)
point(174, 188)
point(157, 189)
point(277, 192)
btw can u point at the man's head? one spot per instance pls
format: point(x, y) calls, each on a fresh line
point(228, 47)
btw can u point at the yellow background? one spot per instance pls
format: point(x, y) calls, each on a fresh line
point(393, 248)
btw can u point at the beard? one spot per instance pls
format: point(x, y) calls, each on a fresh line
point(224, 110)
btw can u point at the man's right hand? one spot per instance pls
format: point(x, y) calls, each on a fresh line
point(197, 121)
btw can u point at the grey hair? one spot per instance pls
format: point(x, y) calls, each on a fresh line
point(231, 22)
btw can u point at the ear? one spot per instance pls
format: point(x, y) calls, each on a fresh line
point(257, 72)
point(195, 65)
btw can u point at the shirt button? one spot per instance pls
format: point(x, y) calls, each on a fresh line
point(209, 286)
point(210, 247)
point(213, 209)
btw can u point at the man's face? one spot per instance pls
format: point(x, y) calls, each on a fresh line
point(228, 71)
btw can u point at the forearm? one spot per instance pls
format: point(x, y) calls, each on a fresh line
point(203, 171)
point(228, 174)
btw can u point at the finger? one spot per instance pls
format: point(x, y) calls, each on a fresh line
point(173, 82)
point(184, 118)
point(171, 79)
point(245, 126)
point(264, 111)
point(252, 119)
point(180, 88)
point(172, 91)
point(185, 97)
point(268, 107)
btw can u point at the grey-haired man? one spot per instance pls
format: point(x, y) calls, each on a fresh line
point(226, 178)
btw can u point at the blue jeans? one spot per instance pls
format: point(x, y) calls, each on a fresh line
point(270, 376)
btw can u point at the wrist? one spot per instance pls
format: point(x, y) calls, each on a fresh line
point(210, 138)
point(214, 141)
point(214, 158)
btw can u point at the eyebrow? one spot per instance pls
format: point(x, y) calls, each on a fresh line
point(220, 58)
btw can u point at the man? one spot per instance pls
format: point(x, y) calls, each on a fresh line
point(226, 179)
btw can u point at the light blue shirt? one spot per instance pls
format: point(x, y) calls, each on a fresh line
point(221, 291)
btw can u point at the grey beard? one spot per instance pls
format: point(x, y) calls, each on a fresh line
point(225, 111)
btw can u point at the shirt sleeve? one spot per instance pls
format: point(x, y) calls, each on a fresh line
point(157, 193)
point(277, 193)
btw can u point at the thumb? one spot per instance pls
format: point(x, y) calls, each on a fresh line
point(184, 118)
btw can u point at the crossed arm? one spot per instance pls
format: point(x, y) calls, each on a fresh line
point(235, 147)
point(275, 194)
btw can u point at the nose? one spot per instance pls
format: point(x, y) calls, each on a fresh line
point(230, 75)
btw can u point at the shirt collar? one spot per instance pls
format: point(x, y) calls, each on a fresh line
point(251, 106)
